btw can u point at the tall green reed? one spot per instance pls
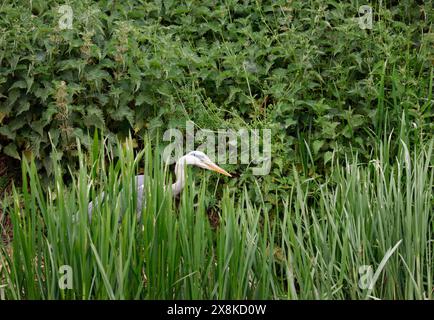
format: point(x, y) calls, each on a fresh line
point(169, 251)
point(365, 233)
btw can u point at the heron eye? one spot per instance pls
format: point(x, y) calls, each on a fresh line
point(197, 155)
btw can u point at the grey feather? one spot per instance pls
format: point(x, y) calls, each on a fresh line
point(140, 184)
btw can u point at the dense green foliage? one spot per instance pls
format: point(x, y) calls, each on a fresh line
point(302, 68)
point(378, 216)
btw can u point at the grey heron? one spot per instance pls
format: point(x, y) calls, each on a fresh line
point(195, 158)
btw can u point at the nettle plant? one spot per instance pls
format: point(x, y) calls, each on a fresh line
point(305, 69)
point(60, 83)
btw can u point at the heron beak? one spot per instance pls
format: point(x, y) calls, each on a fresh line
point(213, 167)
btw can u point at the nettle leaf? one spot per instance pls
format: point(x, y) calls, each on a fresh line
point(327, 157)
point(7, 132)
point(142, 97)
point(329, 129)
point(317, 144)
point(155, 123)
point(21, 84)
point(94, 117)
point(115, 93)
point(357, 120)
point(103, 99)
point(43, 92)
point(290, 122)
point(13, 61)
point(97, 75)
point(72, 64)
point(38, 126)
point(12, 97)
point(84, 139)
point(54, 135)
point(165, 89)
point(35, 144)
point(22, 107)
point(17, 123)
point(48, 113)
point(29, 83)
point(135, 77)
point(11, 151)
point(121, 113)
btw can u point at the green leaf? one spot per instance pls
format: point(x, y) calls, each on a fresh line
point(98, 74)
point(21, 84)
point(327, 157)
point(38, 126)
point(317, 144)
point(29, 83)
point(7, 132)
point(94, 117)
point(12, 97)
point(11, 151)
point(123, 112)
point(22, 107)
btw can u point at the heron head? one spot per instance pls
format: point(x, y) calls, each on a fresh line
point(201, 160)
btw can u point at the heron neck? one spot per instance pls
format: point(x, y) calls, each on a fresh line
point(180, 179)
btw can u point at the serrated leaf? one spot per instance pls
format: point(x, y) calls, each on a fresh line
point(140, 99)
point(97, 74)
point(317, 144)
point(48, 113)
point(22, 107)
point(38, 126)
point(327, 157)
point(72, 64)
point(21, 84)
point(123, 112)
point(29, 83)
point(7, 132)
point(11, 151)
point(13, 96)
point(94, 117)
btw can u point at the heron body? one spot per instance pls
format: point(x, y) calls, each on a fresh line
point(195, 158)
